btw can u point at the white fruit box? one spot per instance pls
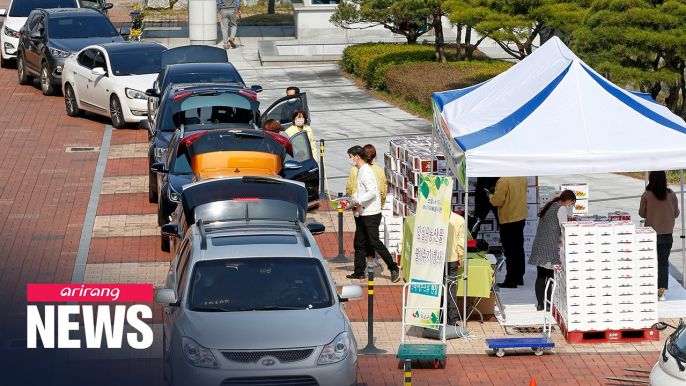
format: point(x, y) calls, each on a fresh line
point(580, 190)
point(580, 207)
point(532, 194)
point(530, 227)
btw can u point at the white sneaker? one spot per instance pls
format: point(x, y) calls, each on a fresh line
point(661, 295)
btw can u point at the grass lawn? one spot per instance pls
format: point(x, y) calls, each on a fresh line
point(672, 176)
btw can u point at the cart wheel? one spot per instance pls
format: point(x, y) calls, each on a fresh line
point(435, 364)
point(538, 351)
point(499, 352)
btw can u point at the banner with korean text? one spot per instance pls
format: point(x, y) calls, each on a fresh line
point(429, 250)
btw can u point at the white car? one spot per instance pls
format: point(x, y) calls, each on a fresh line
point(111, 79)
point(18, 12)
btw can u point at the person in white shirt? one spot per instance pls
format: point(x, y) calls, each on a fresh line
point(367, 201)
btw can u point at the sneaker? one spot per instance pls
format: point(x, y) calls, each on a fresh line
point(226, 47)
point(395, 275)
point(355, 276)
point(661, 295)
point(232, 42)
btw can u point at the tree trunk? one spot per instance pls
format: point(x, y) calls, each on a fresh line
point(411, 37)
point(672, 100)
point(440, 48)
point(468, 50)
point(458, 56)
point(682, 84)
point(271, 7)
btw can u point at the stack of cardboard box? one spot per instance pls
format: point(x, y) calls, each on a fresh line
point(391, 228)
point(608, 279)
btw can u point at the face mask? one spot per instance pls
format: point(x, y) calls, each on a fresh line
point(299, 121)
point(351, 161)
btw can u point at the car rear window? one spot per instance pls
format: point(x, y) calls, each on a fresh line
point(254, 240)
point(223, 77)
point(81, 27)
point(22, 8)
point(147, 62)
point(251, 284)
point(226, 107)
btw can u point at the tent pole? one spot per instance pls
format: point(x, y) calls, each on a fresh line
point(683, 238)
point(464, 260)
point(433, 141)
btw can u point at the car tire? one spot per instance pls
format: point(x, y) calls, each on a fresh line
point(152, 194)
point(45, 84)
point(4, 63)
point(164, 243)
point(70, 103)
point(116, 113)
point(24, 79)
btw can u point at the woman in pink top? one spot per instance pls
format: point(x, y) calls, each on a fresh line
point(659, 206)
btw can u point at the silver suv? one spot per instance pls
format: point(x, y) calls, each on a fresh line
point(249, 300)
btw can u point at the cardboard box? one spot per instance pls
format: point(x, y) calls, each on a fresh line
point(493, 238)
point(531, 211)
point(532, 180)
point(619, 216)
point(579, 189)
point(530, 228)
point(532, 194)
point(580, 207)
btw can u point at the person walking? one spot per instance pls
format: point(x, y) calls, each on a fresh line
point(228, 10)
point(545, 254)
point(510, 199)
point(351, 188)
point(367, 201)
point(299, 119)
point(660, 208)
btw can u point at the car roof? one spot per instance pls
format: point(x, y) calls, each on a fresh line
point(188, 68)
point(117, 47)
point(67, 12)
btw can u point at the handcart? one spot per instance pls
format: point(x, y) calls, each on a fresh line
point(536, 344)
point(435, 351)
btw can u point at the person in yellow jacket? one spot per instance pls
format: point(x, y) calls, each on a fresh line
point(455, 256)
point(510, 199)
point(351, 188)
point(300, 124)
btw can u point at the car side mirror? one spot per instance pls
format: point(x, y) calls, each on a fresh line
point(35, 34)
point(144, 124)
point(108, 6)
point(151, 92)
point(97, 71)
point(168, 296)
point(348, 292)
point(292, 165)
point(660, 326)
point(170, 230)
point(124, 31)
point(256, 88)
point(158, 167)
point(3, 12)
point(316, 228)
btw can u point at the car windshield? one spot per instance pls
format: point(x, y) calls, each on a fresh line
point(136, 63)
point(22, 8)
point(81, 27)
point(259, 284)
point(679, 344)
point(223, 77)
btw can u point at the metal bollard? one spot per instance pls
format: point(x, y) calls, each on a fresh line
point(322, 186)
point(370, 349)
point(341, 253)
point(408, 372)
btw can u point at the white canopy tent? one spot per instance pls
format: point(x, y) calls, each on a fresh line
point(552, 114)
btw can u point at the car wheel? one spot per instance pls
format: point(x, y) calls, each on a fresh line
point(70, 103)
point(116, 113)
point(152, 194)
point(4, 63)
point(24, 79)
point(45, 84)
point(164, 243)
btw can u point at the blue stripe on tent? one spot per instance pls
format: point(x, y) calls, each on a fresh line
point(639, 108)
point(443, 98)
point(507, 124)
point(643, 95)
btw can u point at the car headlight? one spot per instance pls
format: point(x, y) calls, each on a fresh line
point(159, 153)
point(59, 54)
point(173, 196)
point(135, 94)
point(198, 355)
point(10, 32)
point(335, 351)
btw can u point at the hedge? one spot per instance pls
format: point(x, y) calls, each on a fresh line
point(418, 81)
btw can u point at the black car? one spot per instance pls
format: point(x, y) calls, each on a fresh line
point(52, 35)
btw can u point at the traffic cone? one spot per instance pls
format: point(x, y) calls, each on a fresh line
point(533, 382)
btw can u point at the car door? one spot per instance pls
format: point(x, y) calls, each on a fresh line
point(32, 51)
point(309, 172)
point(99, 91)
point(282, 109)
point(154, 100)
point(81, 75)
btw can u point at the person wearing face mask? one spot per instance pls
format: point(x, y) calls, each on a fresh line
point(544, 253)
point(299, 120)
point(367, 201)
point(290, 106)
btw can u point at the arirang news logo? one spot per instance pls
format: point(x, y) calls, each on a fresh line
point(56, 325)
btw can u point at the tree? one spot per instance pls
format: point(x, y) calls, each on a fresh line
point(639, 44)
point(404, 17)
point(271, 6)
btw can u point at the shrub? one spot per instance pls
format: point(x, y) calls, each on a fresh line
point(418, 81)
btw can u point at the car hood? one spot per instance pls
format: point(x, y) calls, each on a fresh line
point(137, 82)
point(76, 45)
point(14, 23)
point(261, 330)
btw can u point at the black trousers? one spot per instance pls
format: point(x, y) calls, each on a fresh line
point(512, 237)
point(367, 230)
point(664, 246)
point(453, 316)
point(369, 250)
point(543, 275)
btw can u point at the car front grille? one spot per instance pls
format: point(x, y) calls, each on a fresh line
point(296, 380)
point(283, 356)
